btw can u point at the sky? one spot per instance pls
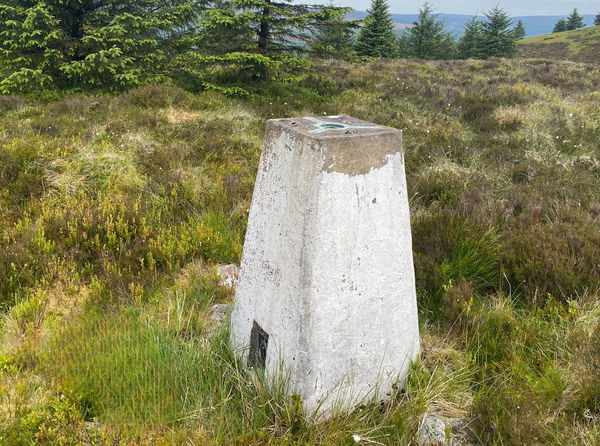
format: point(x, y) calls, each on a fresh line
point(472, 7)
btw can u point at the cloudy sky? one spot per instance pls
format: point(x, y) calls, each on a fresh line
point(471, 7)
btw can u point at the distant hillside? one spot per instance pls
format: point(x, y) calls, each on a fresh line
point(534, 25)
point(582, 45)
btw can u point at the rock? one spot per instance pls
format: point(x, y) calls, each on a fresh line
point(92, 431)
point(229, 275)
point(91, 425)
point(218, 312)
point(432, 432)
point(438, 430)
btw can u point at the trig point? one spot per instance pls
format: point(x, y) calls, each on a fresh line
point(327, 291)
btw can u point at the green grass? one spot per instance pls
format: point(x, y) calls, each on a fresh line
point(581, 45)
point(116, 209)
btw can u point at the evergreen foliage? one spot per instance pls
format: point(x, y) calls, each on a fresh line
point(572, 22)
point(251, 40)
point(334, 37)
point(492, 37)
point(498, 38)
point(223, 30)
point(282, 27)
point(224, 45)
point(427, 38)
point(377, 38)
point(519, 30)
point(575, 21)
point(560, 26)
point(470, 45)
point(597, 20)
point(110, 44)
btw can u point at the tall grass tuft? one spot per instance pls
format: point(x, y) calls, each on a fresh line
point(475, 260)
point(125, 371)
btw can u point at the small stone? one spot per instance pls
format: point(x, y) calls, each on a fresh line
point(229, 275)
point(93, 426)
point(218, 312)
point(439, 430)
point(432, 432)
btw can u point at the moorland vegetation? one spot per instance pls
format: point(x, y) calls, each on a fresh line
point(581, 45)
point(116, 210)
point(121, 191)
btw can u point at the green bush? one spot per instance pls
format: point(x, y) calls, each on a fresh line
point(58, 422)
point(584, 388)
point(466, 253)
point(503, 417)
point(50, 45)
point(562, 259)
point(491, 334)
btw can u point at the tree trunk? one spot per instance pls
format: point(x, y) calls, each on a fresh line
point(265, 30)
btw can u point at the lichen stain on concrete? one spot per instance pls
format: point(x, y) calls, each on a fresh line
point(353, 152)
point(360, 155)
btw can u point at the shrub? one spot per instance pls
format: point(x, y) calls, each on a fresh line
point(466, 253)
point(491, 334)
point(504, 417)
point(583, 393)
point(8, 103)
point(555, 258)
point(56, 420)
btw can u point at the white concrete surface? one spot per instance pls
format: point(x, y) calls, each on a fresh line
point(327, 269)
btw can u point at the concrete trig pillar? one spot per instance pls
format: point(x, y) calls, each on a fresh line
point(327, 282)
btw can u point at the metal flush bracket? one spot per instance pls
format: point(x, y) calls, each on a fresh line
point(259, 341)
point(323, 126)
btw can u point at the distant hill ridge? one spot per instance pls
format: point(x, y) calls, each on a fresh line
point(582, 45)
point(534, 25)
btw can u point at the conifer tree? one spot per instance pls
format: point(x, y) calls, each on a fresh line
point(498, 38)
point(377, 38)
point(282, 26)
point(222, 30)
point(519, 30)
point(333, 37)
point(242, 41)
point(597, 20)
point(560, 26)
point(574, 21)
point(427, 38)
point(103, 43)
point(470, 46)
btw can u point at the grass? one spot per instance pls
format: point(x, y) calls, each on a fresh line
point(116, 209)
point(581, 45)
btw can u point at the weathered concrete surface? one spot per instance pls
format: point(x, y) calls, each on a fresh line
point(327, 282)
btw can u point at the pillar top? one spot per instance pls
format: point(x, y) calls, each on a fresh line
point(332, 126)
